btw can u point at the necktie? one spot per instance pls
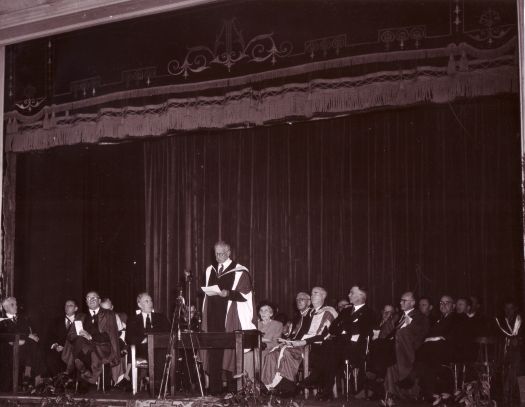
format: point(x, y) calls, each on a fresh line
point(68, 323)
point(148, 323)
point(401, 321)
point(93, 317)
point(221, 269)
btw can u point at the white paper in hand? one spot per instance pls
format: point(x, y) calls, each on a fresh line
point(211, 289)
point(78, 327)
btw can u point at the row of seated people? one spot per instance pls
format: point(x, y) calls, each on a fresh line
point(79, 344)
point(404, 350)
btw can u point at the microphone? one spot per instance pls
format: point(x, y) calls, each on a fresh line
point(187, 275)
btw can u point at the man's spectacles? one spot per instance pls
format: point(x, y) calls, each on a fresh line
point(445, 302)
point(220, 253)
point(405, 300)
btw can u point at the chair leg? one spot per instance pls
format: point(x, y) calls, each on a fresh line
point(347, 379)
point(355, 372)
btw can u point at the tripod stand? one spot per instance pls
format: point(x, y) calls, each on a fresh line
point(175, 328)
point(175, 336)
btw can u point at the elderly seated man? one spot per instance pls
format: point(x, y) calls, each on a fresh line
point(439, 347)
point(347, 340)
point(145, 322)
point(30, 353)
point(282, 363)
point(93, 341)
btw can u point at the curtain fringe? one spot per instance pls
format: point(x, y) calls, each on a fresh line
point(249, 108)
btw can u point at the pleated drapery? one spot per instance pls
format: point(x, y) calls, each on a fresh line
point(425, 198)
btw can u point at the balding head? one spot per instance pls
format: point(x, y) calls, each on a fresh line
point(302, 301)
point(222, 251)
point(407, 301)
point(446, 304)
point(357, 295)
point(318, 296)
point(10, 306)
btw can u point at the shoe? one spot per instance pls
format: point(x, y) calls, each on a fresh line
point(123, 385)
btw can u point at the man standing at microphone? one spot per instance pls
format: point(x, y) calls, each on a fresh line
point(229, 308)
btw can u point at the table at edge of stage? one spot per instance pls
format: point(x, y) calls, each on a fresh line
point(238, 340)
point(16, 349)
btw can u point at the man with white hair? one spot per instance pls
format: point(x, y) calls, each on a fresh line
point(228, 306)
point(146, 321)
point(31, 355)
point(281, 364)
point(347, 340)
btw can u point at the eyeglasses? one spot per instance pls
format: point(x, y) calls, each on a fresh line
point(92, 298)
point(404, 300)
point(220, 253)
point(445, 302)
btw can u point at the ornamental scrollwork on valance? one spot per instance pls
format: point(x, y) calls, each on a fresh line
point(230, 48)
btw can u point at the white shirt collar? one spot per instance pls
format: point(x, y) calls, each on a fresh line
point(356, 307)
point(225, 265)
point(96, 311)
point(409, 311)
point(71, 318)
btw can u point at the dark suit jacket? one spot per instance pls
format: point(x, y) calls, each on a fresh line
point(58, 332)
point(448, 327)
point(135, 331)
point(408, 340)
point(21, 326)
point(349, 323)
point(360, 322)
point(107, 323)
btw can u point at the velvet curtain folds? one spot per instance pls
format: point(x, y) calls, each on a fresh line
point(425, 198)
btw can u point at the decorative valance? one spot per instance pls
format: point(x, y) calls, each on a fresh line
point(244, 81)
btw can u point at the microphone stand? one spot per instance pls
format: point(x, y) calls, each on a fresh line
point(188, 319)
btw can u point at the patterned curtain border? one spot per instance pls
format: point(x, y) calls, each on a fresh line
point(492, 72)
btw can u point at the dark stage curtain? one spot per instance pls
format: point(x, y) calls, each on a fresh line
point(79, 227)
point(425, 198)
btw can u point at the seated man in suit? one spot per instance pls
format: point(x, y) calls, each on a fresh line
point(30, 353)
point(347, 340)
point(94, 340)
point(466, 351)
point(439, 348)
point(57, 339)
point(143, 323)
point(409, 333)
point(281, 364)
point(382, 344)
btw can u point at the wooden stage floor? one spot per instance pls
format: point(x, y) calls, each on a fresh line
point(123, 399)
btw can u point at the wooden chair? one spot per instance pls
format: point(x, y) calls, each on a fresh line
point(136, 364)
